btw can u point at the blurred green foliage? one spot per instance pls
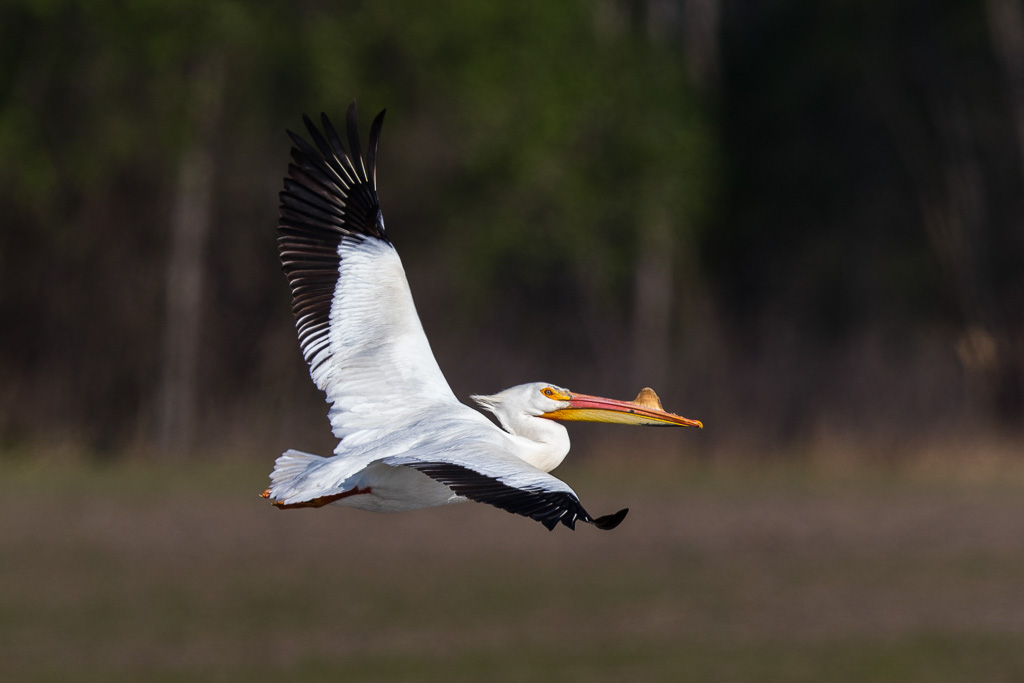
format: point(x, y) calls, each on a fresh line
point(837, 188)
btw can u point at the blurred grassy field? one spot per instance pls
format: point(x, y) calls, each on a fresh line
point(753, 573)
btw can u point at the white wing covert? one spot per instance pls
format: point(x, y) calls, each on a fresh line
point(357, 324)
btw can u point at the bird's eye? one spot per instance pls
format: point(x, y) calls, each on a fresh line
point(549, 392)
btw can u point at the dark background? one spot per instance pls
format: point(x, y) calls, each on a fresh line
point(800, 222)
point(796, 221)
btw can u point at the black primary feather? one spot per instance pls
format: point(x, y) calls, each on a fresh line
point(329, 196)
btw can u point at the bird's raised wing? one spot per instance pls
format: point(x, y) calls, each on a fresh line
point(357, 324)
point(509, 483)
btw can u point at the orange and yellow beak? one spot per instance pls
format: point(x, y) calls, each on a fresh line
point(644, 410)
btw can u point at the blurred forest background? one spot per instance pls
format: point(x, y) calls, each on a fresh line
point(797, 221)
point(800, 222)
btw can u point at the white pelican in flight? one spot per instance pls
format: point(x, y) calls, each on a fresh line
point(406, 442)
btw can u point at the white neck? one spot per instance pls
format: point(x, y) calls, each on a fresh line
point(541, 442)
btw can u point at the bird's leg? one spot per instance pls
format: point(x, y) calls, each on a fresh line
point(317, 502)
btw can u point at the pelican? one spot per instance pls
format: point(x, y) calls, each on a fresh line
point(405, 440)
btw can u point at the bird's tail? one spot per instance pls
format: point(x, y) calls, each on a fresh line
point(290, 471)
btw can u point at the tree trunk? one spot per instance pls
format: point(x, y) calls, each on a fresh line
point(191, 217)
point(1006, 27)
point(653, 301)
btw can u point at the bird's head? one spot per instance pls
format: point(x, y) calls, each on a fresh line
point(556, 403)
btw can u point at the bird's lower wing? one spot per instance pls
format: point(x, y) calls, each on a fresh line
point(512, 485)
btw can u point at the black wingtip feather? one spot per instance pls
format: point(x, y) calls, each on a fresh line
point(318, 139)
point(353, 133)
point(329, 197)
point(609, 522)
point(371, 154)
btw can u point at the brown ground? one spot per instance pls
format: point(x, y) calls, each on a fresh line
point(144, 574)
